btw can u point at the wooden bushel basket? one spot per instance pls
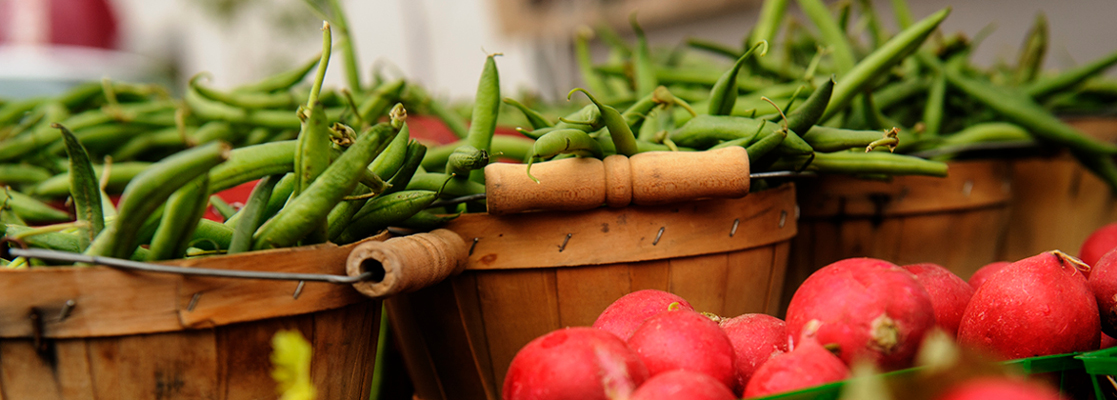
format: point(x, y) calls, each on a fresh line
point(143, 335)
point(958, 221)
point(1056, 202)
point(529, 274)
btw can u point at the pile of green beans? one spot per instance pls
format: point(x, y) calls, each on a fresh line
point(848, 97)
point(125, 170)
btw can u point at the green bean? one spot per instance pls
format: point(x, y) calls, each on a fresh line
point(563, 141)
point(414, 157)
point(214, 111)
point(768, 142)
point(1047, 86)
point(623, 139)
point(900, 91)
point(392, 157)
point(832, 34)
point(870, 18)
point(345, 41)
point(704, 131)
point(645, 75)
point(279, 197)
point(312, 150)
point(184, 209)
point(383, 212)
point(861, 163)
point(1031, 55)
point(1023, 111)
point(453, 121)
point(221, 207)
point(377, 102)
point(248, 100)
point(988, 132)
point(44, 239)
point(250, 163)
point(537, 120)
point(767, 24)
point(12, 112)
point(636, 112)
point(792, 144)
point(512, 147)
point(872, 66)
point(486, 107)
point(933, 111)
point(282, 81)
point(30, 209)
point(465, 159)
point(141, 145)
point(807, 115)
point(826, 139)
point(45, 135)
point(591, 77)
point(713, 47)
point(119, 176)
point(308, 210)
point(22, 174)
point(667, 76)
point(212, 232)
point(148, 191)
point(252, 215)
point(904, 17)
point(724, 92)
point(84, 189)
point(613, 40)
point(434, 181)
point(426, 221)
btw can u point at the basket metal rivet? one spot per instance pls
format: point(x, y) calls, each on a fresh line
point(783, 218)
point(658, 235)
point(66, 309)
point(193, 301)
point(299, 289)
point(564, 241)
point(733, 231)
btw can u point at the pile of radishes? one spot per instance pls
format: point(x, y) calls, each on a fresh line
point(652, 344)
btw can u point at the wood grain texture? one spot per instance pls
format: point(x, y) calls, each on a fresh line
point(112, 302)
point(628, 234)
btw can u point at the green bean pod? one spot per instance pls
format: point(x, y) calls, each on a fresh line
point(389, 161)
point(486, 107)
point(44, 135)
point(704, 131)
point(212, 232)
point(768, 142)
point(164, 139)
point(252, 215)
point(385, 211)
point(537, 120)
point(862, 163)
point(119, 176)
point(434, 182)
point(723, 95)
point(308, 210)
point(148, 191)
point(1023, 111)
point(221, 207)
point(414, 157)
point(1047, 86)
point(810, 111)
point(281, 81)
point(184, 209)
point(793, 144)
point(426, 221)
point(30, 209)
point(826, 139)
point(904, 17)
point(590, 76)
point(312, 151)
point(12, 112)
point(23, 174)
point(645, 74)
point(933, 111)
point(84, 189)
point(1031, 55)
point(876, 63)
point(832, 35)
point(250, 163)
point(623, 138)
point(378, 102)
point(242, 99)
point(465, 159)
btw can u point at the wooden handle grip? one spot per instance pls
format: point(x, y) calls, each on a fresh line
point(409, 263)
point(657, 177)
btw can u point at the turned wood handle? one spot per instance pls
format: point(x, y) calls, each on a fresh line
point(657, 177)
point(408, 263)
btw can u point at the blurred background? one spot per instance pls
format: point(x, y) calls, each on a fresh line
point(47, 44)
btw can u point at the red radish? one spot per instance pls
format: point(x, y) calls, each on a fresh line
point(1101, 241)
point(983, 273)
point(1037, 306)
point(628, 312)
point(574, 363)
point(1107, 342)
point(682, 384)
point(987, 388)
point(1103, 283)
point(870, 308)
point(756, 338)
point(809, 364)
point(683, 339)
point(949, 293)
